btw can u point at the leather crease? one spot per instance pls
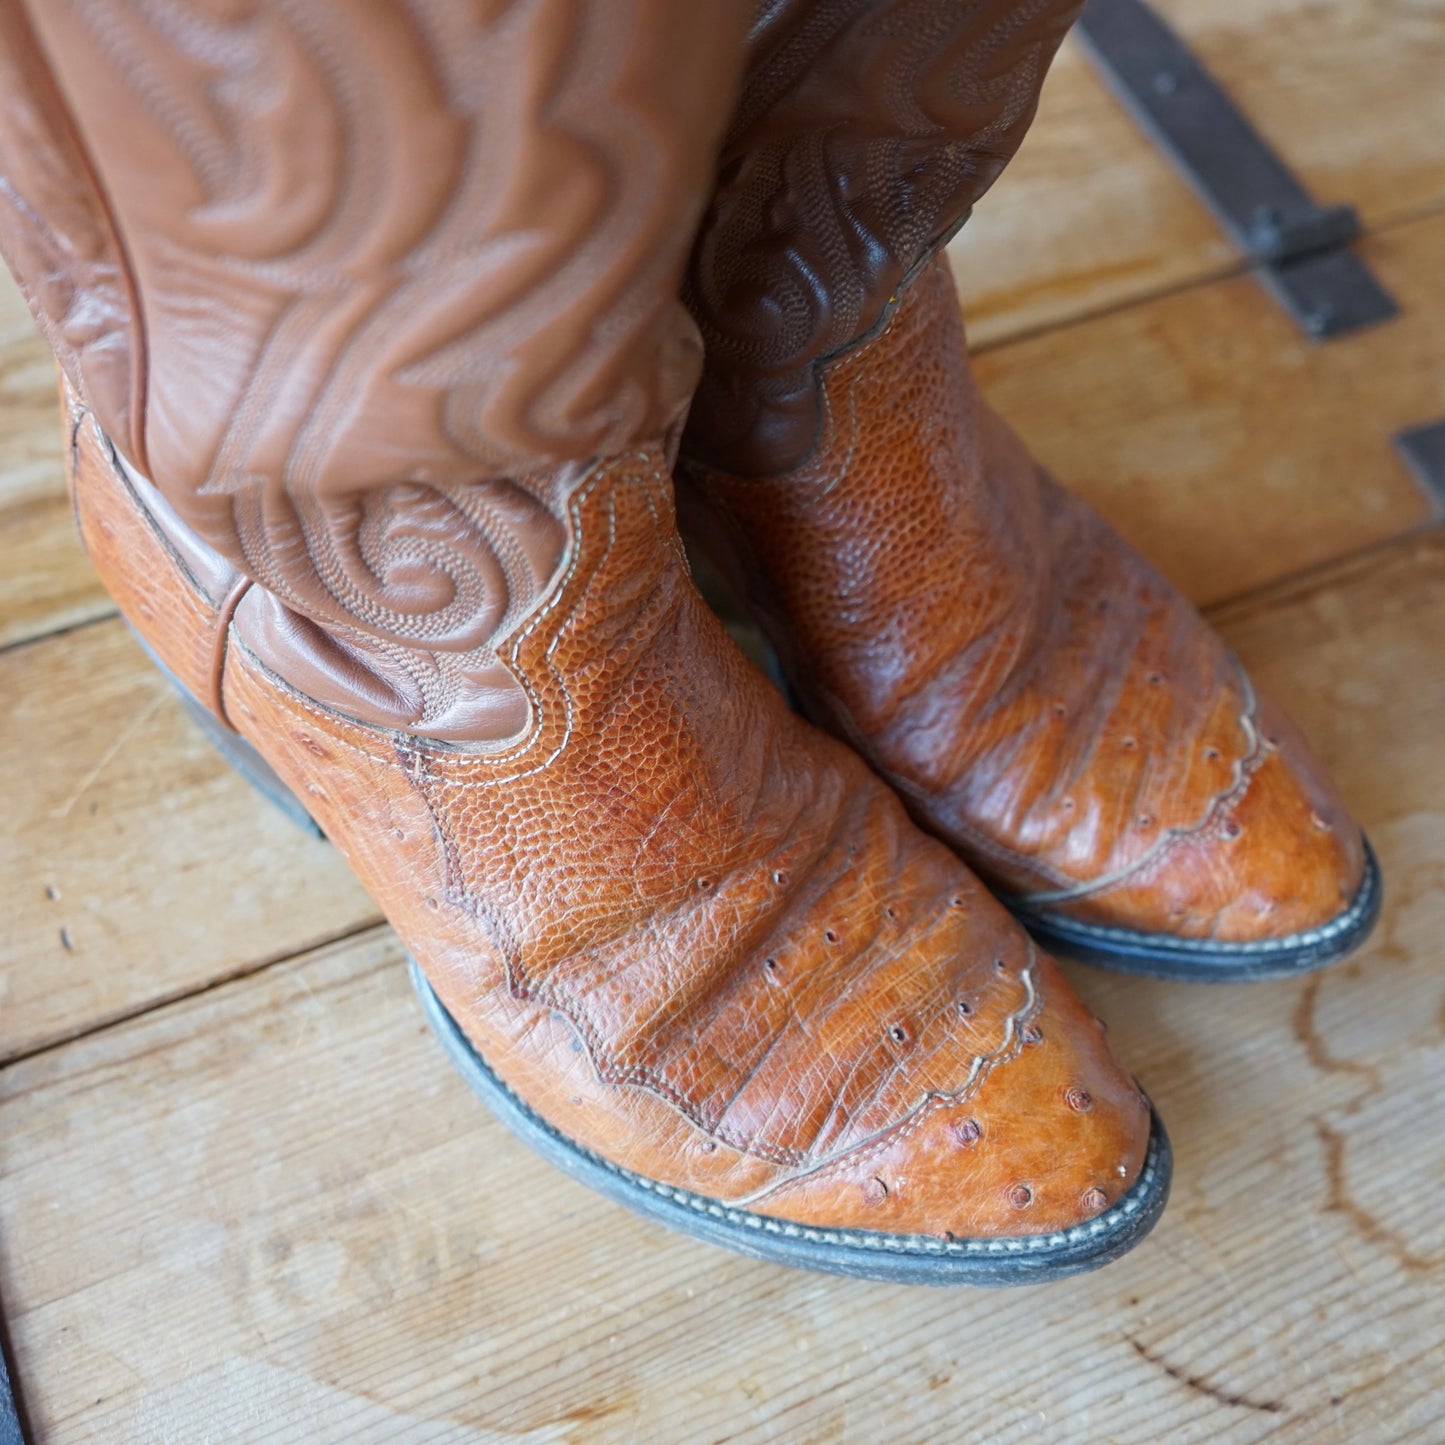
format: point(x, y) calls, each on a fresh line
point(1041, 698)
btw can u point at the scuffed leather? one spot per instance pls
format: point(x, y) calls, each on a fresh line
point(865, 132)
point(390, 259)
point(694, 934)
point(1043, 699)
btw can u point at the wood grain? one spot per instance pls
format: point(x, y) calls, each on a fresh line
point(134, 864)
point(270, 1212)
point(1090, 216)
point(1224, 445)
point(45, 581)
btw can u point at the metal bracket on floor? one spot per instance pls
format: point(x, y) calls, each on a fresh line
point(12, 1414)
point(1423, 447)
point(1301, 248)
point(10, 1431)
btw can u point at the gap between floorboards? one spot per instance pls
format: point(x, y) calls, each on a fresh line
point(168, 1000)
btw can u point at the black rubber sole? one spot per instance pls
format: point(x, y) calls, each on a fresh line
point(1202, 960)
point(898, 1259)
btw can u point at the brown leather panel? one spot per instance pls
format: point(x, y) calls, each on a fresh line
point(865, 132)
point(1018, 1115)
point(1039, 695)
point(624, 875)
point(58, 239)
point(394, 258)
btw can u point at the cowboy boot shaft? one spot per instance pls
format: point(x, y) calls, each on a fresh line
point(363, 287)
point(865, 132)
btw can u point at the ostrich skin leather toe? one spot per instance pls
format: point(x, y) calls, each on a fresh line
point(1043, 700)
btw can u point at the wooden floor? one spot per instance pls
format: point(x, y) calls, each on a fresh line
point(242, 1196)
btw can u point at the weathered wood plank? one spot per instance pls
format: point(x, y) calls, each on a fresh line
point(134, 864)
point(1089, 216)
point(45, 581)
point(1220, 441)
point(270, 1211)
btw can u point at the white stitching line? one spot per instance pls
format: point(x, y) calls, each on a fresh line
point(646, 1078)
point(910, 1243)
point(822, 370)
point(1337, 925)
point(414, 744)
point(981, 1067)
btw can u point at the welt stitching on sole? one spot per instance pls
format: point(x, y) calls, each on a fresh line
point(908, 1243)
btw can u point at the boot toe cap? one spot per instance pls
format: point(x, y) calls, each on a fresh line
point(1051, 1137)
point(1278, 882)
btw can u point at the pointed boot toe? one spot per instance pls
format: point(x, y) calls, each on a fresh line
point(1051, 1154)
point(1022, 1178)
point(1277, 880)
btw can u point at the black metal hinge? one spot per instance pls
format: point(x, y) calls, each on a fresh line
point(10, 1431)
point(1301, 248)
point(1423, 447)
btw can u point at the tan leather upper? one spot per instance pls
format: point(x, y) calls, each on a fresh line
point(693, 933)
point(1040, 696)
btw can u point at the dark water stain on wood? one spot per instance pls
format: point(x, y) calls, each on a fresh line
point(1200, 1386)
point(1341, 1201)
point(1316, 1050)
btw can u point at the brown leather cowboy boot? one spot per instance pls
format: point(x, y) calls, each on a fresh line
point(404, 398)
point(1042, 699)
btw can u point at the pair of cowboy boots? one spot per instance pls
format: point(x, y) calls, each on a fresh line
point(386, 329)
